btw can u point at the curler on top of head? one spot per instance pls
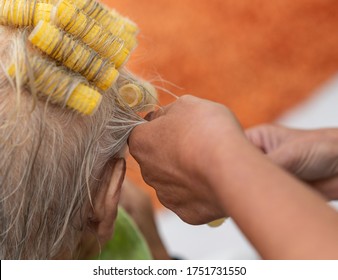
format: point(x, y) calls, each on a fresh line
point(76, 22)
point(74, 55)
point(22, 13)
point(84, 36)
point(108, 19)
point(112, 21)
point(55, 84)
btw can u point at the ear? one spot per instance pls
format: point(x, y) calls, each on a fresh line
point(105, 202)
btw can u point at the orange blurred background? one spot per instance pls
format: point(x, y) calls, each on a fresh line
point(257, 57)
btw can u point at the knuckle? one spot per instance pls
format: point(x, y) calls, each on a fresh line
point(134, 142)
point(147, 177)
point(135, 152)
point(158, 113)
point(187, 98)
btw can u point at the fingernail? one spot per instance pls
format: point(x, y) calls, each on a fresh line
point(149, 116)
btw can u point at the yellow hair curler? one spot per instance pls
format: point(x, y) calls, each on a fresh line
point(131, 94)
point(111, 20)
point(104, 16)
point(55, 84)
point(71, 19)
point(21, 13)
point(74, 55)
point(84, 36)
point(84, 99)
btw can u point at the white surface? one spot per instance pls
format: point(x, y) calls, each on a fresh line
point(319, 111)
point(227, 242)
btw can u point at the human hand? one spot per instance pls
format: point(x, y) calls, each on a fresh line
point(139, 206)
point(177, 151)
point(311, 155)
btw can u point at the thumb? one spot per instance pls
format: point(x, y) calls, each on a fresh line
point(267, 137)
point(289, 158)
point(307, 160)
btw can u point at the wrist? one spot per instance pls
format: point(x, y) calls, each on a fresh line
point(226, 162)
point(235, 170)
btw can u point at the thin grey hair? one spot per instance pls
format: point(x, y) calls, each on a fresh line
point(52, 161)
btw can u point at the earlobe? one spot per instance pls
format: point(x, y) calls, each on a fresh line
point(106, 201)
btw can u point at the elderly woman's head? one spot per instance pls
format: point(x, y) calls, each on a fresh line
point(59, 170)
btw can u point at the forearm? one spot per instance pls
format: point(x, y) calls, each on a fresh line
point(283, 218)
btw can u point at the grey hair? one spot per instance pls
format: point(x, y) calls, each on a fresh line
point(52, 161)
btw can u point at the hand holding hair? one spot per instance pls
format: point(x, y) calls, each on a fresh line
point(196, 156)
point(176, 150)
